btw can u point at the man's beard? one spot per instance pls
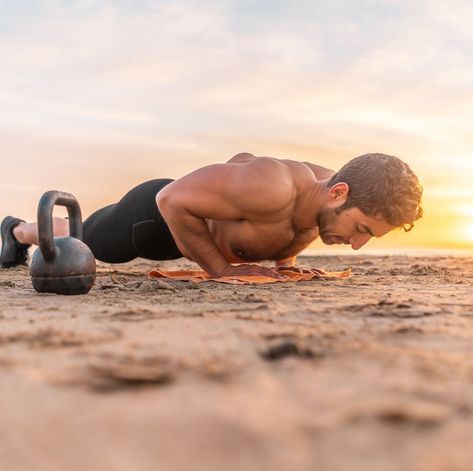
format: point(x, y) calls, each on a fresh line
point(326, 221)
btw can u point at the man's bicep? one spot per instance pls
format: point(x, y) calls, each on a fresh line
point(224, 191)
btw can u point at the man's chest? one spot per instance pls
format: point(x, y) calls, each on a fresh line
point(250, 241)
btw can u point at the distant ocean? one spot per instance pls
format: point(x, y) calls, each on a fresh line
point(407, 251)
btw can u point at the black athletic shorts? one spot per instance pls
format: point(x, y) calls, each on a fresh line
point(131, 228)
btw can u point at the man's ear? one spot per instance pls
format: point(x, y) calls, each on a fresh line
point(338, 194)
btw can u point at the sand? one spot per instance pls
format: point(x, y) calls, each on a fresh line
point(374, 372)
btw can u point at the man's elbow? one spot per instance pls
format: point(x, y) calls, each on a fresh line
point(164, 200)
point(160, 197)
point(171, 204)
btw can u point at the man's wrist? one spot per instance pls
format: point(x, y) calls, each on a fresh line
point(286, 262)
point(218, 271)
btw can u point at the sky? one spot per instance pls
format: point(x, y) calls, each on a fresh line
point(99, 96)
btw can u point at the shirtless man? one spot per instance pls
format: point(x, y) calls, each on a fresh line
point(249, 209)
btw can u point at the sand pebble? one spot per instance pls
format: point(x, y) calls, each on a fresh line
point(151, 285)
point(287, 348)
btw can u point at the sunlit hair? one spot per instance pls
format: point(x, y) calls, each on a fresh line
point(382, 185)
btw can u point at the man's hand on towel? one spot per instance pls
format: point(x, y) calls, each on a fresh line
point(317, 271)
point(251, 269)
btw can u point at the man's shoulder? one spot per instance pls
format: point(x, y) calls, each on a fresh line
point(281, 175)
point(320, 172)
point(271, 164)
point(301, 173)
point(275, 164)
point(267, 168)
point(241, 158)
point(261, 183)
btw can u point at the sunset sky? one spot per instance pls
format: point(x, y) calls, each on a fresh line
point(98, 96)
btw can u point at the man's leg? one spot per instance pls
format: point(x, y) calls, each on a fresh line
point(131, 228)
point(118, 233)
point(18, 236)
point(27, 233)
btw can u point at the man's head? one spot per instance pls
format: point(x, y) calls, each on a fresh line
point(368, 197)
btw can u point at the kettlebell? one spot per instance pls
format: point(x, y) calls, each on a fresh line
point(62, 265)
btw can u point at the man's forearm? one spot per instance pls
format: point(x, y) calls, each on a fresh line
point(192, 236)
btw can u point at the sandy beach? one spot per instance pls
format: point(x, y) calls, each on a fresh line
point(372, 372)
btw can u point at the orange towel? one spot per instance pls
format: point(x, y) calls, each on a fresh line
point(198, 276)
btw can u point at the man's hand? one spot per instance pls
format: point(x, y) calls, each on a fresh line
point(250, 269)
point(317, 271)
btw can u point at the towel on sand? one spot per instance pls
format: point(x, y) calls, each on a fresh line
point(198, 276)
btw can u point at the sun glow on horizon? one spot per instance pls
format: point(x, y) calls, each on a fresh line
point(470, 232)
point(98, 97)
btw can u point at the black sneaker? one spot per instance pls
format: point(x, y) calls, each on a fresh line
point(13, 252)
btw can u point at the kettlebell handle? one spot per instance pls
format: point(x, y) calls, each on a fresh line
point(45, 220)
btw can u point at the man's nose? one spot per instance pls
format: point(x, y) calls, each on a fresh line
point(359, 240)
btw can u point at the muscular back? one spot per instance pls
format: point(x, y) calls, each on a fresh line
point(255, 208)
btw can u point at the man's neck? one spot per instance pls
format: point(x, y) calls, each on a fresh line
point(312, 202)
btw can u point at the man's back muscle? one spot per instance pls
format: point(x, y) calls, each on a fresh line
point(252, 206)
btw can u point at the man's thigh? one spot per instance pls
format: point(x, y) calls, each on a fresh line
point(131, 228)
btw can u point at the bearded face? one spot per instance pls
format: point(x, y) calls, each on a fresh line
point(350, 226)
point(331, 227)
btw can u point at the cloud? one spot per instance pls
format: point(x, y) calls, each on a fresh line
point(190, 82)
point(187, 65)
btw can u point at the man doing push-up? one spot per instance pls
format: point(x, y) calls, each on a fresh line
point(248, 209)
